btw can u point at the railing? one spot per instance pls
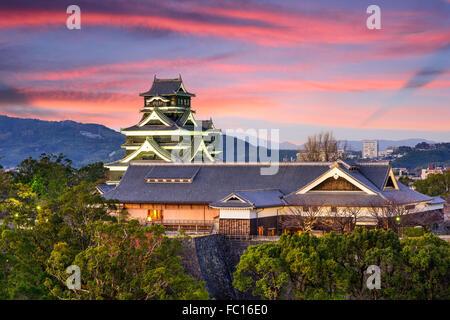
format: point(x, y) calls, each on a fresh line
point(189, 226)
point(184, 222)
point(252, 237)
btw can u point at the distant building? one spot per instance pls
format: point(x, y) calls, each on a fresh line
point(431, 169)
point(386, 153)
point(400, 172)
point(390, 150)
point(382, 153)
point(370, 149)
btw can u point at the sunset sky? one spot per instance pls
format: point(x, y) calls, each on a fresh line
point(299, 66)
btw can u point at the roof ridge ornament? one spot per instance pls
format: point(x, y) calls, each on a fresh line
point(334, 165)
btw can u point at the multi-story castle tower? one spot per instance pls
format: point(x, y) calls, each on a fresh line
point(167, 131)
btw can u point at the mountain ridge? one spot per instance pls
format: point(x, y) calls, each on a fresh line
point(84, 143)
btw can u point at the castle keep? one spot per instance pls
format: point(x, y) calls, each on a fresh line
point(167, 131)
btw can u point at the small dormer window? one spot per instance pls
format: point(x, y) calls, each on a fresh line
point(159, 180)
point(390, 183)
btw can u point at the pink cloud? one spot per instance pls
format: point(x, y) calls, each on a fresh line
point(283, 28)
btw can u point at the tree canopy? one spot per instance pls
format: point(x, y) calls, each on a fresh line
point(436, 184)
point(335, 266)
point(53, 218)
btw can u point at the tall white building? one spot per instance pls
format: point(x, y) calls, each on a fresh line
point(370, 149)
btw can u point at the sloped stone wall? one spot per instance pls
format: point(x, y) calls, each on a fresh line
point(213, 259)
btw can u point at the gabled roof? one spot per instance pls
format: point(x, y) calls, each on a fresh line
point(375, 172)
point(437, 200)
point(252, 199)
point(356, 174)
point(165, 87)
point(102, 188)
point(187, 115)
point(349, 173)
point(156, 114)
point(406, 195)
point(150, 145)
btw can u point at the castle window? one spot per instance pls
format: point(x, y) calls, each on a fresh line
point(260, 231)
point(389, 183)
point(154, 215)
point(234, 199)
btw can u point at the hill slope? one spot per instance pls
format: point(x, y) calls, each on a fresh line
point(418, 159)
point(82, 143)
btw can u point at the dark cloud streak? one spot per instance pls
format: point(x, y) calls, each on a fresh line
point(11, 96)
point(437, 65)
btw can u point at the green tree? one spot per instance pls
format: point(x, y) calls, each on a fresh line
point(262, 270)
point(18, 203)
point(335, 266)
point(23, 266)
point(358, 250)
point(79, 207)
point(126, 261)
point(119, 259)
point(426, 272)
point(94, 172)
point(405, 180)
point(436, 184)
point(313, 272)
point(48, 176)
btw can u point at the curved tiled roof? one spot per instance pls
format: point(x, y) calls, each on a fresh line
point(254, 199)
point(164, 87)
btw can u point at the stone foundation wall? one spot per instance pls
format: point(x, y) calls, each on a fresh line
point(213, 259)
